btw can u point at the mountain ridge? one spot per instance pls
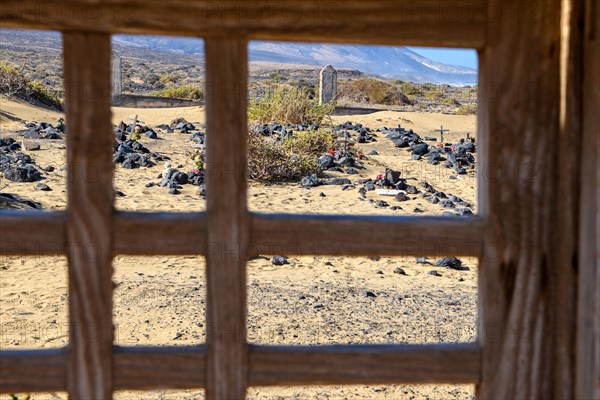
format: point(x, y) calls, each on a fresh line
point(386, 62)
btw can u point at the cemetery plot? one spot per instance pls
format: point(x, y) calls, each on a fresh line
point(313, 150)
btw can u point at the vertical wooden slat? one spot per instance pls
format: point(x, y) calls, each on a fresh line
point(227, 218)
point(568, 185)
point(518, 275)
point(588, 312)
point(89, 213)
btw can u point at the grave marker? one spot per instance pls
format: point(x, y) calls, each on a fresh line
point(441, 131)
point(328, 85)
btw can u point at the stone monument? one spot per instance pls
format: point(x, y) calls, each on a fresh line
point(117, 82)
point(327, 85)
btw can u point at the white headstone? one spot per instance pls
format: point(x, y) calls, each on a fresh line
point(117, 84)
point(328, 84)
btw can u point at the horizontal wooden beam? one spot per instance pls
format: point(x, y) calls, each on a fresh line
point(33, 370)
point(32, 233)
point(24, 233)
point(366, 235)
point(153, 234)
point(367, 364)
point(147, 368)
point(457, 23)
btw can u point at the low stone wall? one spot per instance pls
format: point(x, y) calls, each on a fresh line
point(134, 101)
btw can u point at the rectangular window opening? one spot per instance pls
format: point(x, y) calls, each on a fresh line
point(158, 117)
point(33, 165)
point(159, 301)
point(362, 129)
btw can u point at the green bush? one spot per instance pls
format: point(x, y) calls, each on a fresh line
point(451, 101)
point(288, 104)
point(14, 83)
point(435, 95)
point(40, 92)
point(292, 158)
point(169, 78)
point(466, 109)
point(410, 89)
point(373, 91)
point(188, 92)
point(12, 80)
point(311, 142)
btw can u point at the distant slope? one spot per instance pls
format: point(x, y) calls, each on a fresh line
point(388, 62)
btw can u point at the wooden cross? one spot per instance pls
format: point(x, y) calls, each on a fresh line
point(441, 131)
point(135, 122)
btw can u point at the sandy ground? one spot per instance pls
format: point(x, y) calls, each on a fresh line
point(313, 300)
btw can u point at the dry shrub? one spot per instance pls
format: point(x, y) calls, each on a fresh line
point(373, 91)
point(14, 83)
point(12, 80)
point(288, 104)
point(466, 109)
point(270, 159)
point(188, 92)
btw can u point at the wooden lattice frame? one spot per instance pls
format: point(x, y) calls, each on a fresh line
point(539, 92)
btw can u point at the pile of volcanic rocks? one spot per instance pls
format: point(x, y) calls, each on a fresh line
point(198, 137)
point(358, 132)
point(340, 162)
point(16, 166)
point(14, 201)
point(122, 130)
point(42, 130)
point(179, 124)
point(131, 154)
point(173, 179)
point(456, 156)
point(281, 131)
point(352, 132)
point(449, 201)
point(403, 138)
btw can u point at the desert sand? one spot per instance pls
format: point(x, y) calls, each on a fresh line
point(311, 300)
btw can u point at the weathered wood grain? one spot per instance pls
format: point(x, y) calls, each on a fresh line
point(159, 233)
point(32, 233)
point(588, 309)
point(185, 233)
point(568, 185)
point(531, 195)
point(365, 235)
point(519, 83)
point(368, 364)
point(89, 213)
point(147, 368)
point(227, 218)
point(33, 370)
point(457, 23)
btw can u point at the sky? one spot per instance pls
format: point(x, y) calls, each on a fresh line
point(460, 57)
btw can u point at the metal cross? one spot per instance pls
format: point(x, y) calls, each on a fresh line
point(441, 131)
